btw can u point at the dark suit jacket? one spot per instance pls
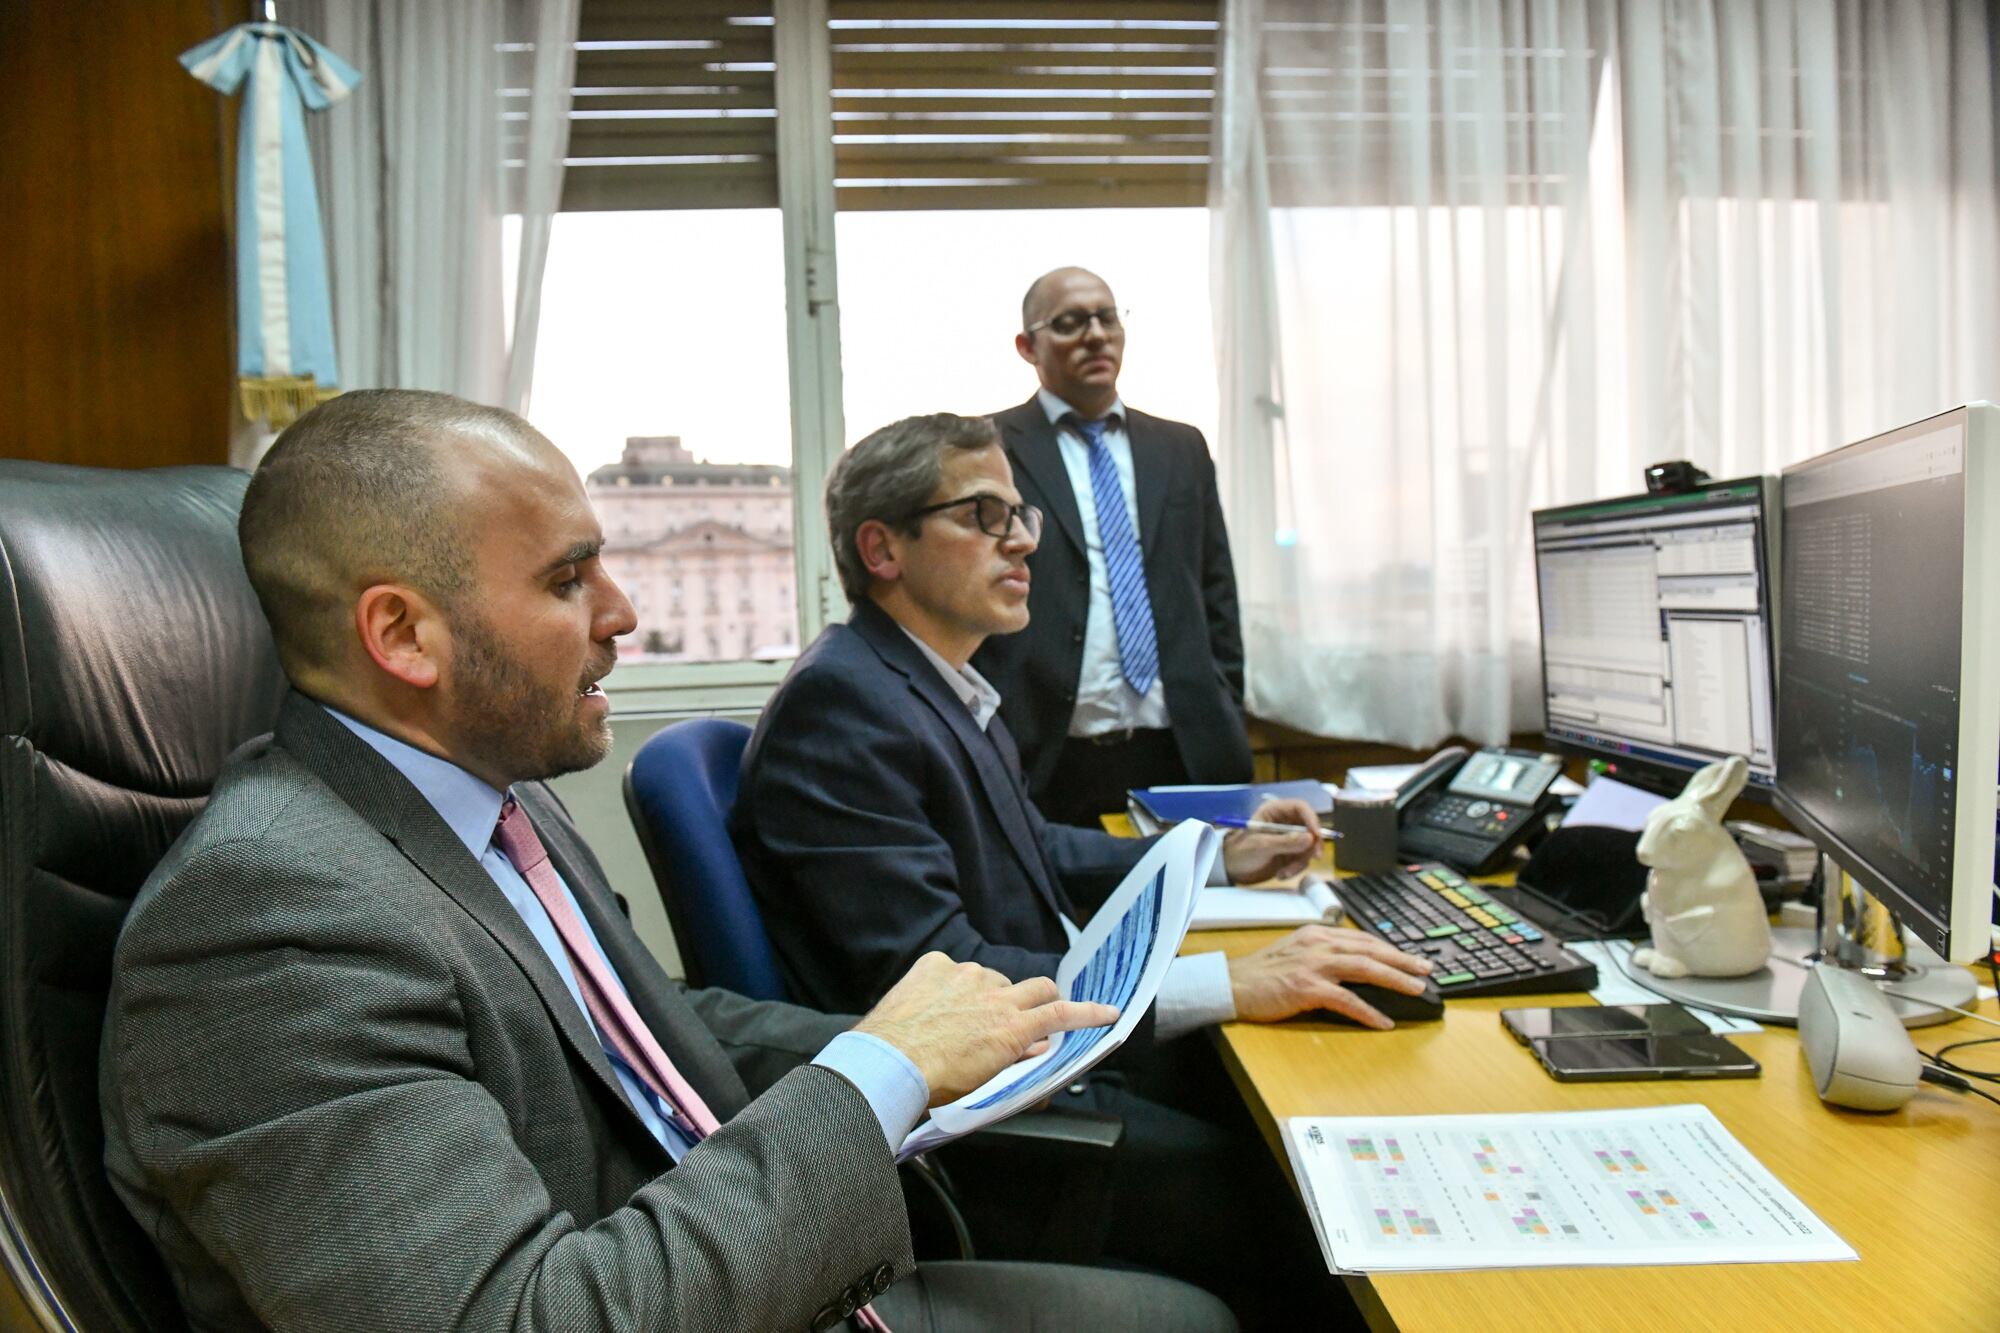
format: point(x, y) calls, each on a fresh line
point(876, 822)
point(344, 1088)
point(1188, 575)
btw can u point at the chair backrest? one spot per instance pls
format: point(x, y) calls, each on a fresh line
point(133, 660)
point(679, 789)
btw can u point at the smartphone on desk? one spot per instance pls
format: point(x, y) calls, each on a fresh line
point(1601, 1020)
point(1622, 1058)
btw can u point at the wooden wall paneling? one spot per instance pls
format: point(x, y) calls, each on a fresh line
point(115, 293)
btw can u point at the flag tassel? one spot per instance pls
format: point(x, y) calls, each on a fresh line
point(283, 400)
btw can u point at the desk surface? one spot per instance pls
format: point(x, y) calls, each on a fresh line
point(1915, 1192)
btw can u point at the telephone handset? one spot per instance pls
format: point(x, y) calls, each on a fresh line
point(1471, 810)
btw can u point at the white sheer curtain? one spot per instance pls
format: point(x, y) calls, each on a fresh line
point(461, 119)
point(1472, 258)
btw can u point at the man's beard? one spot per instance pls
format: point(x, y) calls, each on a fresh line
point(516, 724)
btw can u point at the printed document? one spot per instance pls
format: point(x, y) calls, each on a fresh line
point(1609, 803)
point(1654, 1185)
point(1120, 958)
point(1219, 908)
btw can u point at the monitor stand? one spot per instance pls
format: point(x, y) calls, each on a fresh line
point(1857, 932)
point(1771, 993)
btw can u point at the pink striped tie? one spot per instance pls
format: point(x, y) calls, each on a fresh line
point(617, 1021)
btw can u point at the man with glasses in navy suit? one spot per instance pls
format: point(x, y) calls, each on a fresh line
point(882, 814)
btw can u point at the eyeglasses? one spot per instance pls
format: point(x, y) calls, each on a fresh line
point(1070, 323)
point(993, 514)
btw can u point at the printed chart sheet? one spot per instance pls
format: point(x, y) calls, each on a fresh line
point(1119, 958)
point(1655, 1185)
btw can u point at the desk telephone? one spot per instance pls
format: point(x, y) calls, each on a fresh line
point(1472, 810)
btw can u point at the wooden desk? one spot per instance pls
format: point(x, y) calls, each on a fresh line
point(1916, 1192)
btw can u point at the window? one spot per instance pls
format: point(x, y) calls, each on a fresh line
point(684, 310)
point(900, 354)
point(673, 322)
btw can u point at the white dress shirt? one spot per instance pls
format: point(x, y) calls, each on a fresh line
point(1196, 991)
point(1105, 700)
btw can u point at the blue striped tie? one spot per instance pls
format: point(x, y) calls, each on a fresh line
point(1124, 565)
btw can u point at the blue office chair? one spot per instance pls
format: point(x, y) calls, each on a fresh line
point(679, 790)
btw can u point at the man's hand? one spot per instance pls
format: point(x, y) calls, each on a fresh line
point(1304, 971)
point(1252, 858)
point(960, 1023)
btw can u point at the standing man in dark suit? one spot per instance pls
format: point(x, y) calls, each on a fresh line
point(381, 1051)
point(1130, 672)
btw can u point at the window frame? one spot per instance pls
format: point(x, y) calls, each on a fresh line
point(803, 42)
point(802, 56)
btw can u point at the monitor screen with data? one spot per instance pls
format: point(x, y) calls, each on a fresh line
point(1656, 629)
point(1889, 709)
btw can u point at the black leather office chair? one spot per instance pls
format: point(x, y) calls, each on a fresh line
point(133, 659)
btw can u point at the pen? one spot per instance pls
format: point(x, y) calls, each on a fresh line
point(1266, 826)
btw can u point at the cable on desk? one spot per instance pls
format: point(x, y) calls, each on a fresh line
point(1945, 1079)
point(1948, 1008)
point(1947, 1072)
point(1942, 1059)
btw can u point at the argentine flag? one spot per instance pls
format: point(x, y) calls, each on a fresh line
point(284, 313)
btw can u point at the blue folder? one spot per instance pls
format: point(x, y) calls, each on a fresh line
point(1170, 805)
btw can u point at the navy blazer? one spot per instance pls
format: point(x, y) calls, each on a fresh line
point(1190, 580)
point(877, 822)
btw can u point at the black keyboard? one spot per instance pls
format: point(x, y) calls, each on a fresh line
point(1476, 945)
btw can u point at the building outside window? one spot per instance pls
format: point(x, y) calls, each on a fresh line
point(663, 509)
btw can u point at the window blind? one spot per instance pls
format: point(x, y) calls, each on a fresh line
point(1022, 103)
point(675, 106)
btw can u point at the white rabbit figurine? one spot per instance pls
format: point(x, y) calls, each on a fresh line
point(1701, 898)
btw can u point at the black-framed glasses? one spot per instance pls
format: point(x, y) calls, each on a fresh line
point(1070, 323)
point(994, 515)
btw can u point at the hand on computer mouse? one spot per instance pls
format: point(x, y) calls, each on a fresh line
point(1424, 1007)
point(1311, 968)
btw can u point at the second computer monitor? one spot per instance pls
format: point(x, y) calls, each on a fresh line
point(1656, 629)
point(1889, 734)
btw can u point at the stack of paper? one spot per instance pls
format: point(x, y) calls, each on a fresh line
point(1120, 958)
point(1609, 803)
point(1791, 857)
point(1243, 909)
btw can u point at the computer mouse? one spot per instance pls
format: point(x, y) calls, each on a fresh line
point(1426, 1007)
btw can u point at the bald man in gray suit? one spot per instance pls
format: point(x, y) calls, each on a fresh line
point(381, 1051)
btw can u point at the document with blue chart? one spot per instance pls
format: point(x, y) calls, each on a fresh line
point(1649, 1185)
point(1119, 958)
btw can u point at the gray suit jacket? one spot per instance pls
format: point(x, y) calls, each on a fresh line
point(344, 1088)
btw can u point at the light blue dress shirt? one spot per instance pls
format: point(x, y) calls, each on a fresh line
point(1105, 700)
point(896, 1092)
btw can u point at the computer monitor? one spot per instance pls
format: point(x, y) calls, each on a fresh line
point(1889, 668)
point(1656, 641)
